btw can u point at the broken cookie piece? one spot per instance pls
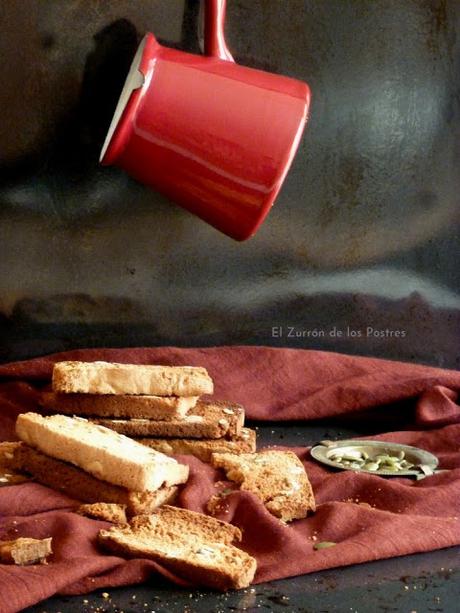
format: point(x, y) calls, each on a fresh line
point(8, 474)
point(277, 478)
point(7, 449)
point(9, 478)
point(114, 513)
point(25, 551)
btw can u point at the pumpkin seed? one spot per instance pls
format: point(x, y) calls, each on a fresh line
point(323, 545)
point(389, 460)
point(226, 491)
point(352, 455)
point(392, 468)
point(384, 458)
point(372, 466)
point(394, 463)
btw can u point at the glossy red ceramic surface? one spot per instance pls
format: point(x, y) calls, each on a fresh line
point(215, 137)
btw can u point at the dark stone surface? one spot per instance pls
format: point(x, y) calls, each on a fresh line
point(422, 583)
point(365, 230)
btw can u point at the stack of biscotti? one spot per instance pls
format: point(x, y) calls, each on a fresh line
point(192, 545)
point(159, 406)
point(95, 464)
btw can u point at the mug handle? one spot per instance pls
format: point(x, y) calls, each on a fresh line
point(214, 38)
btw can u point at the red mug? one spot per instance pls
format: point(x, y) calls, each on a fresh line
point(215, 137)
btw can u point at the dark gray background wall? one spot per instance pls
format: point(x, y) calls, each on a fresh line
point(364, 233)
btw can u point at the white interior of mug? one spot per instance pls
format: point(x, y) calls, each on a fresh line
point(134, 80)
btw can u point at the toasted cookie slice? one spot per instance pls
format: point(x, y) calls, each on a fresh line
point(206, 420)
point(122, 405)
point(203, 448)
point(80, 485)
point(192, 545)
point(112, 378)
point(278, 478)
point(105, 454)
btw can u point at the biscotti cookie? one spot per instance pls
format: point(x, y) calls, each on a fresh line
point(278, 478)
point(112, 378)
point(100, 451)
point(149, 407)
point(206, 420)
point(203, 448)
point(187, 543)
point(82, 486)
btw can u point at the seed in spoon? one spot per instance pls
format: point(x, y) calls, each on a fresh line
point(352, 455)
point(392, 468)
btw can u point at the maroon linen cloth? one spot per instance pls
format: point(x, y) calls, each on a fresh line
point(404, 516)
